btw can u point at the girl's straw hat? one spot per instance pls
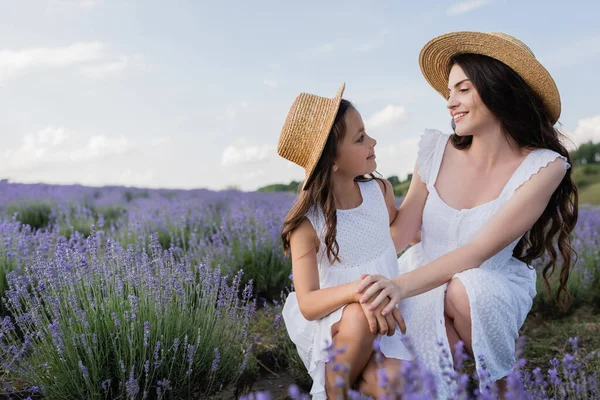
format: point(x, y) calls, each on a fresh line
point(306, 129)
point(435, 56)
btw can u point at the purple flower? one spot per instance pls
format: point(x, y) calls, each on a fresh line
point(382, 378)
point(277, 321)
point(132, 387)
point(57, 336)
point(164, 384)
point(339, 382)
point(553, 377)
point(294, 392)
point(216, 360)
point(84, 370)
point(146, 333)
point(262, 396)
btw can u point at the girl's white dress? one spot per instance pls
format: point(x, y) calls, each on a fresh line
point(500, 291)
point(365, 246)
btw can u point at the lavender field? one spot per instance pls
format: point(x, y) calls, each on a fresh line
point(121, 293)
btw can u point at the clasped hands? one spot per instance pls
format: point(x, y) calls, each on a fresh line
point(378, 298)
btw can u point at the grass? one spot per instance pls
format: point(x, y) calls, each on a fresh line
point(37, 214)
point(590, 194)
point(548, 338)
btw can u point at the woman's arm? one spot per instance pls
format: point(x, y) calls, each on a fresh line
point(314, 303)
point(406, 225)
point(514, 219)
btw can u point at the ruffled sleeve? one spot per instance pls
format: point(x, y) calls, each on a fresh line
point(538, 160)
point(425, 155)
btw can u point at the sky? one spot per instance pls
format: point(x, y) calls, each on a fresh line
point(193, 94)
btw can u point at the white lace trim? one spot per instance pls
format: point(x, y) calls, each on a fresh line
point(540, 159)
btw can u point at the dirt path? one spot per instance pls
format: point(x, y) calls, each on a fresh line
point(276, 385)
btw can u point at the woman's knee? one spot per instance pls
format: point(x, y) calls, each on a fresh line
point(457, 300)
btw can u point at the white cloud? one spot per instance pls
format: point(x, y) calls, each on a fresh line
point(464, 7)
point(17, 62)
point(161, 141)
point(316, 51)
point(322, 49)
point(588, 129)
point(82, 3)
point(270, 83)
point(57, 145)
point(243, 153)
point(88, 3)
point(397, 159)
point(367, 46)
point(230, 113)
point(386, 117)
point(91, 56)
point(52, 136)
point(135, 178)
point(111, 68)
point(101, 146)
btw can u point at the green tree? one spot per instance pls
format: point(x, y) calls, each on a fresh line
point(394, 180)
point(587, 153)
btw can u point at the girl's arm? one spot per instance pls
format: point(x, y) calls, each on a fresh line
point(314, 303)
point(406, 225)
point(513, 220)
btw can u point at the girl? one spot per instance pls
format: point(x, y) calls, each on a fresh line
point(338, 229)
point(494, 196)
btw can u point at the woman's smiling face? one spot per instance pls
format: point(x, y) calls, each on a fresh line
point(469, 114)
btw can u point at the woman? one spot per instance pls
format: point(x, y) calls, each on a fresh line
point(489, 199)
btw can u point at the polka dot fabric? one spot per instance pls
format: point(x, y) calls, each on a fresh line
point(365, 246)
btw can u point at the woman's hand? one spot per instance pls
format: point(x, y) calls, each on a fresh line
point(381, 324)
point(386, 288)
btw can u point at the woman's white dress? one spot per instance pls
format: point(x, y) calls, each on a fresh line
point(500, 291)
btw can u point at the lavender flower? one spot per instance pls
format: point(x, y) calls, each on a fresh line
point(84, 370)
point(216, 360)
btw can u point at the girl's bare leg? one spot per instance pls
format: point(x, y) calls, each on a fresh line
point(369, 380)
point(352, 334)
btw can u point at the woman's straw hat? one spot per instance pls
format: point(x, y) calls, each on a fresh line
point(435, 56)
point(306, 129)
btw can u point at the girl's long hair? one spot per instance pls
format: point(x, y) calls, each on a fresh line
point(319, 191)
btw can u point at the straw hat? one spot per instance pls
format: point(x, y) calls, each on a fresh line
point(306, 129)
point(435, 57)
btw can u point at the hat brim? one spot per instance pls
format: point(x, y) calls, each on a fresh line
point(328, 121)
point(434, 60)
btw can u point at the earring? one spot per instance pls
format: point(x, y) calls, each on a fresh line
point(335, 168)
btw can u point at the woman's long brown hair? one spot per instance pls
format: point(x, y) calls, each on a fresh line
point(319, 190)
point(526, 122)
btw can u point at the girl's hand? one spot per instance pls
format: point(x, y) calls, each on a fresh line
point(385, 287)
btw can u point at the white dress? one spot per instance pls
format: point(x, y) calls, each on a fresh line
point(500, 291)
point(365, 246)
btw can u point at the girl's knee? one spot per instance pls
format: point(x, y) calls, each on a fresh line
point(354, 323)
